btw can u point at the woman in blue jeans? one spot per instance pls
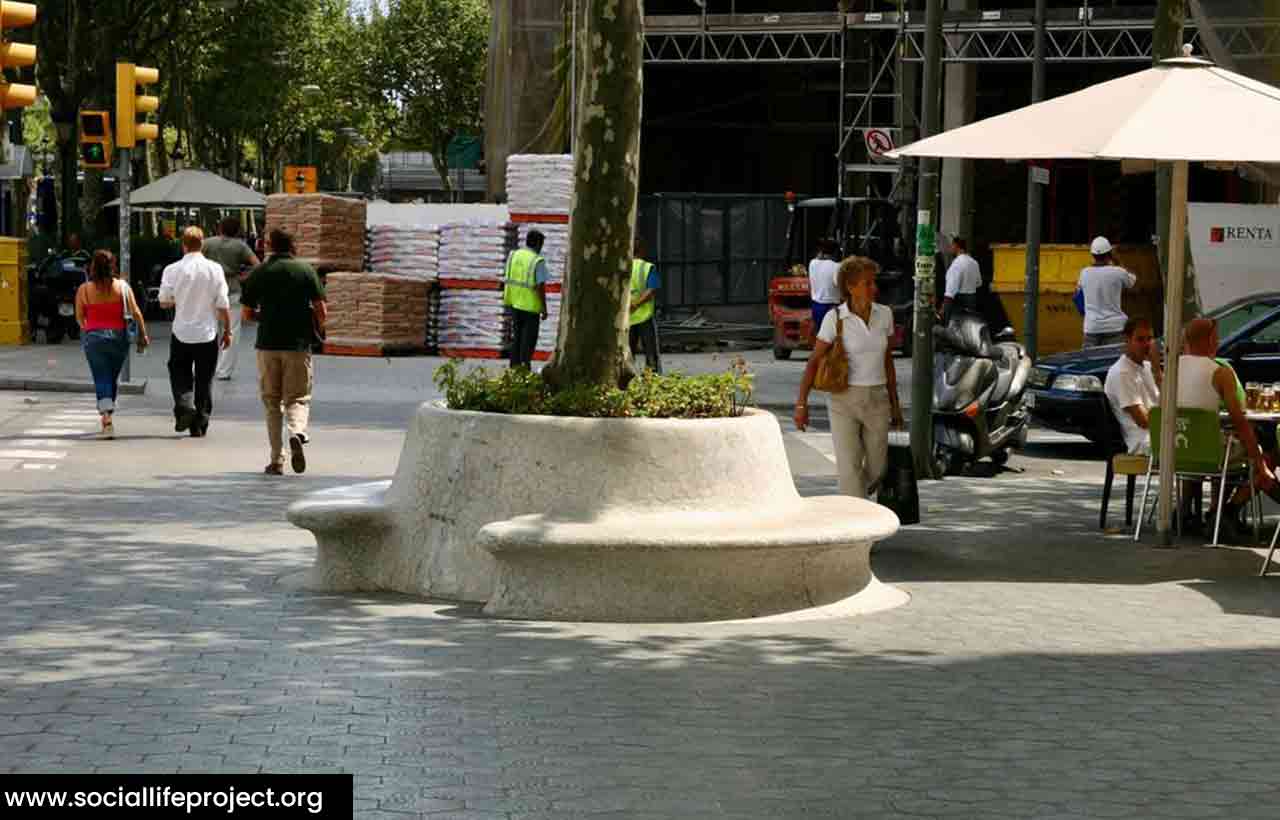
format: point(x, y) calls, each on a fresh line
point(100, 309)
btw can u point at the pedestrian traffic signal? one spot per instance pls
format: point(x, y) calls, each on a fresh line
point(16, 55)
point(129, 104)
point(95, 139)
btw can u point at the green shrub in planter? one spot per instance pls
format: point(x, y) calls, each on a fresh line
point(649, 395)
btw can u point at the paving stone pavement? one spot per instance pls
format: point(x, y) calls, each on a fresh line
point(1040, 670)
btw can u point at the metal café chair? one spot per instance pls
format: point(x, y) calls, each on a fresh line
point(1200, 453)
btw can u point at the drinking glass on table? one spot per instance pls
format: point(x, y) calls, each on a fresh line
point(1252, 395)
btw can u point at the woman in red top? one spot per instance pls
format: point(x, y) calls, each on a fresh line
point(100, 309)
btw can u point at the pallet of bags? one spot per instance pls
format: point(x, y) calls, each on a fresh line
point(376, 314)
point(473, 323)
point(475, 251)
point(540, 183)
point(329, 231)
point(405, 250)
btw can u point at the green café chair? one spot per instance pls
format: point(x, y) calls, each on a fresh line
point(1200, 453)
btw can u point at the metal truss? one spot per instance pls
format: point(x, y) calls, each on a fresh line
point(1109, 42)
point(994, 37)
point(744, 46)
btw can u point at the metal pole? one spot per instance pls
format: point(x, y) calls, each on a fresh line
point(125, 179)
point(1035, 201)
point(311, 146)
point(1172, 345)
point(573, 76)
point(841, 125)
point(922, 348)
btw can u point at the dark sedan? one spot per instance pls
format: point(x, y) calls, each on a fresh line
point(1065, 391)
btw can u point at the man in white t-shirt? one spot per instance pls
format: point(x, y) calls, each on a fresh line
point(1133, 385)
point(196, 288)
point(963, 279)
point(1103, 284)
point(823, 294)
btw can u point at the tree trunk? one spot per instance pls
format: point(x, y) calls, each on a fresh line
point(1166, 42)
point(592, 347)
point(440, 159)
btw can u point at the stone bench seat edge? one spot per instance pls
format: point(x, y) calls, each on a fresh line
point(804, 523)
point(350, 505)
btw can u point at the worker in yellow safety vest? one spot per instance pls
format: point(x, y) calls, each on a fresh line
point(524, 292)
point(644, 324)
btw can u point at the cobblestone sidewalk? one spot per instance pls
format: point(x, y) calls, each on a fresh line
point(1040, 670)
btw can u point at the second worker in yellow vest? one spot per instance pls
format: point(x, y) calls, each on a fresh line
point(644, 324)
point(524, 292)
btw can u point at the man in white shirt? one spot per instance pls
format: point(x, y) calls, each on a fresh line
point(963, 279)
point(823, 294)
point(196, 289)
point(1103, 284)
point(1133, 385)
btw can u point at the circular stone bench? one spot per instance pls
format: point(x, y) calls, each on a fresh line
point(594, 519)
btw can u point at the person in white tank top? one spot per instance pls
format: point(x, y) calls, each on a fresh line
point(1202, 384)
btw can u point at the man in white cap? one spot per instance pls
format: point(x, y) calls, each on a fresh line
point(1103, 284)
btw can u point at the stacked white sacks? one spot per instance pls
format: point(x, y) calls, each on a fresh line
point(540, 183)
point(404, 250)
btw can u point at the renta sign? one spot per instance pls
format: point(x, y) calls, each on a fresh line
point(1257, 234)
point(1233, 248)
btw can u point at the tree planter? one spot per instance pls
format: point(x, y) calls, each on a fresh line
point(595, 519)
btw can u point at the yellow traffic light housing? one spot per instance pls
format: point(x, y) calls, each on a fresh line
point(129, 104)
point(95, 139)
point(16, 55)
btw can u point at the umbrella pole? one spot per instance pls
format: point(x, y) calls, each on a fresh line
point(1172, 345)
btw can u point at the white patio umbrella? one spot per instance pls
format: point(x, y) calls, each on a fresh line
point(1179, 111)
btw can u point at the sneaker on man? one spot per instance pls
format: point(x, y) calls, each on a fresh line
point(297, 458)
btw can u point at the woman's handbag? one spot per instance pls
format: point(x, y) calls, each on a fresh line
point(833, 368)
point(898, 489)
point(130, 324)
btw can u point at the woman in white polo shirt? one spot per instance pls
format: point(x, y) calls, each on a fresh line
point(861, 415)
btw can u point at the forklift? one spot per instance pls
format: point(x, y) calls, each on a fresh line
point(860, 226)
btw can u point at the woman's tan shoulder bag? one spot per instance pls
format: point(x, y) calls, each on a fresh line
point(833, 367)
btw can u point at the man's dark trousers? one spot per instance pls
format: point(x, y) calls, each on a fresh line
point(645, 335)
point(524, 337)
point(191, 379)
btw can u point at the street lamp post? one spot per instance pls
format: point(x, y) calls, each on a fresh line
point(311, 93)
point(353, 138)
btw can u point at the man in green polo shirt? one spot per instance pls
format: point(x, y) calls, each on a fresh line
point(285, 297)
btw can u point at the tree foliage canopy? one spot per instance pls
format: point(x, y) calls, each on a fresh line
point(404, 73)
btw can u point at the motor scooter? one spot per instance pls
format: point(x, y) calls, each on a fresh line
point(977, 393)
point(53, 282)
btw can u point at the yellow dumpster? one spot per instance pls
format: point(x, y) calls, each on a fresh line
point(14, 329)
point(1059, 325)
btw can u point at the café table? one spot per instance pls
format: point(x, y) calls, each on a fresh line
point(1258, 418)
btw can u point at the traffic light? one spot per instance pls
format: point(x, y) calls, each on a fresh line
point(129, 104)
point(16, 55)
point(95, 139)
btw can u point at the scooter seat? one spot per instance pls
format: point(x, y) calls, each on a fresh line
point(1006, 366)
point(960, 380)
point(1021, 370)
point(967, 335)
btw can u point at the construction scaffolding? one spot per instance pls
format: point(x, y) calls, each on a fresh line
point(875, 51)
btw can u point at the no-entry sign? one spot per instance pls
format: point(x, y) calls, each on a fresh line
point(879, 142)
